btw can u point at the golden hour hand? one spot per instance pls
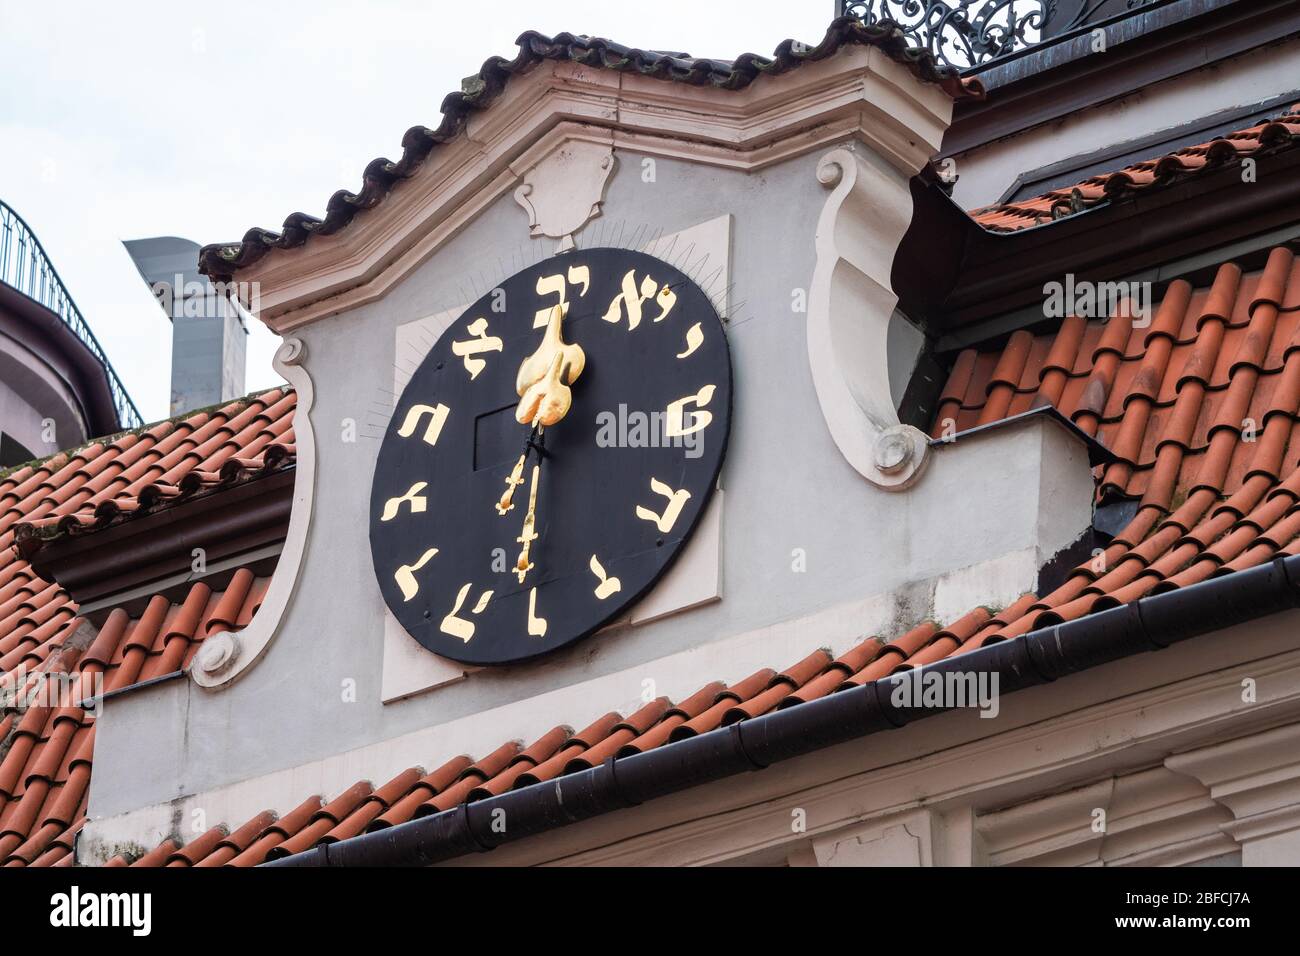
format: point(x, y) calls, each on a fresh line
point(545, 376)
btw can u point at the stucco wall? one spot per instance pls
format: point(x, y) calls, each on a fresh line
point(787, 487)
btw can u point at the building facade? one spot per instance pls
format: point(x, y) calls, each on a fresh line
point(57, 387)
point(959, 526)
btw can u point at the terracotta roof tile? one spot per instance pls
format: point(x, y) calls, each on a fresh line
point(275, 833)
point(1223, 500)
point(45, 773)
point(1266, 136)
point(430, 785)
point(1200, 408)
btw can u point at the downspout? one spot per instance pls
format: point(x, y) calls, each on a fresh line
point(1043, 655)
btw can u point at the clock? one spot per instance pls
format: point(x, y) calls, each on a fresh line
point(551, 456)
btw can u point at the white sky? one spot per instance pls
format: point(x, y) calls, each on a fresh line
point(125, 120)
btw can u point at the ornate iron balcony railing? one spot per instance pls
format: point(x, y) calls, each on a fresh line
point(24, 266)
point(968, 34)
point(961, 33)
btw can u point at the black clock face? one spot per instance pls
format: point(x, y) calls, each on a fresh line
point(504, 526)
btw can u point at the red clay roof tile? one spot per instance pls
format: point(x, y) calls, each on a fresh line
point(1266, 136)
point(47, 766)
point(1212, 498)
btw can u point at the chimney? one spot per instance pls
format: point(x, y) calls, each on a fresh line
point(209, 337)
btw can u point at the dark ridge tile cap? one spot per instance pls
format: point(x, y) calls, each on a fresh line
point(220, 261)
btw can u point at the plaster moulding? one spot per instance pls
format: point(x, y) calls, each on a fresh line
point(858, 94)
point(904, 839)
point(1257, 778)
point(225, 655)
point(565, 190)
point(849, 308)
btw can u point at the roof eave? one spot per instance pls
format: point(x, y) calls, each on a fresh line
point(1041, 656)
point(691, 80)
point(957, 276)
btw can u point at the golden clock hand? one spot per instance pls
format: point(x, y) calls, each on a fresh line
point(513, 481)
point(543, 381)
point(542, 384)
point(529, 534)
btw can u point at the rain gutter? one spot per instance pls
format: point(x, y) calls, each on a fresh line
point(1039, 657)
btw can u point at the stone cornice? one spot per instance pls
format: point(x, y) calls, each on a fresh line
point(860, 94)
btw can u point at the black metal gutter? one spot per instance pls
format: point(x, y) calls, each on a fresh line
point(1041, 656)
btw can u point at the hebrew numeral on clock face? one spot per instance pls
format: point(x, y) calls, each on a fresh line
point(536, 625)
point(607, 585)
point(412, 421)
point(556, 285)
point(405, 575)
point(481, 342)
point(458, 626)
point(412, 497)
point(676, 501)
point(675, 424)
point(694, 339)
point(632, 297)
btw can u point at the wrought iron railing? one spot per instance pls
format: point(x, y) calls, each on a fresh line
point(968, 34)
point(24, 266)
point(961, 33)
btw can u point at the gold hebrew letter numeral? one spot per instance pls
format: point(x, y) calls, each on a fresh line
point(666, 298)
point(412, 421)
point(580, 275)
point(412, 497)
point(607, 585)
point(557, 285)
point(405, 575)
point(694, 339)
point(550, 285)
point(675, 424)
point(481, 342)
point(630, 300)
point(536, 625)
point(676, 501)
point(458, 626)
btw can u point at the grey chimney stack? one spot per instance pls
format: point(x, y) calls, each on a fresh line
point(209, 338)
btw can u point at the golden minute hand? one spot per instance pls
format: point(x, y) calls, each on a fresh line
point(529, 534)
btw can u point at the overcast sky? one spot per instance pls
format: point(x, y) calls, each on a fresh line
point(120, 121)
